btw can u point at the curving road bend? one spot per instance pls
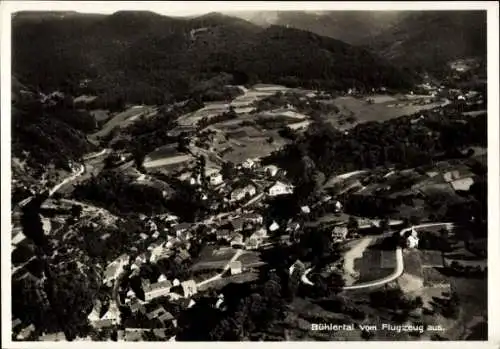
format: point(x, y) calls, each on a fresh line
point(399, 263)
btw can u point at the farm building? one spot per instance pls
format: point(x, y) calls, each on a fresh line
point(189, 288)
point(280, 188)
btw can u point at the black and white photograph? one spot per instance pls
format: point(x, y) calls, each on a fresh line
point(243, 174)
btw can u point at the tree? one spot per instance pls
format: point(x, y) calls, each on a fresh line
point(228, 170)
point(183, 143)
point(353, 225)
point(419, 302)
point(76, 211)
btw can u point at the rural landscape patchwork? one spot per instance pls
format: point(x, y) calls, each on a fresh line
point(249, 176)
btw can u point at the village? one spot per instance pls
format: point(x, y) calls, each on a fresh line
point(173, 261)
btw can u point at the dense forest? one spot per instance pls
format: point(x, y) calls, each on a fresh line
point(166, 57)
point(416, 40)
point(51, 133)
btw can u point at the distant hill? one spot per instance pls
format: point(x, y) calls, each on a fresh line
point(433, 38)
point(141, 55)
point(352, 27)
point(422, 39)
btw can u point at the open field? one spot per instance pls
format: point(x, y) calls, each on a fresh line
point(383, 109)
point(250, 259)
point(211, 258)
point(168, 161)
point(413, 263)
point(432, 277)
point(431, 258)
point(122, 119)
point(166, 151)
point(250, 147)
point(237, 279)
point(210, 110)
point(369, 266)
point(255, 93)
point(291, 115)
point(364, 262)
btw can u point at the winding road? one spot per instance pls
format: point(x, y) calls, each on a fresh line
point(67, 180)
point(54, 189)
point(399, 263)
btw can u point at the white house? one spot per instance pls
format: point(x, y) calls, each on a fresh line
point(219, 302)
point(235, 267)
point(271, 170)
point(274, 226)
point(240, 193)
point(338, 206)
point(305, 209)
point(189, 288)
point(412, 241)
point(280, 188)
point(463, 183)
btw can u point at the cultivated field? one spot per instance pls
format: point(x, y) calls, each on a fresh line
point(168, 162)
point(210, 110)
point(249, 143)
point(123, 119)
point(385, 107)
point(250, 259)
point(211, 258)
point(166, 151)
